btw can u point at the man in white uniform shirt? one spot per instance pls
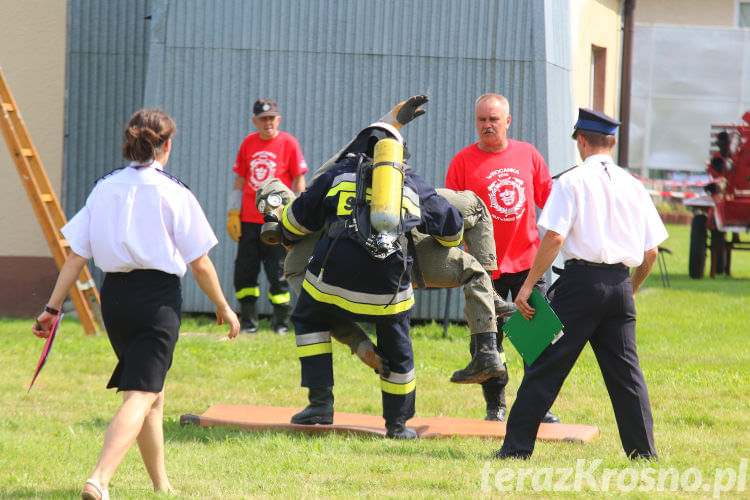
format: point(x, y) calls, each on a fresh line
point(603, 221)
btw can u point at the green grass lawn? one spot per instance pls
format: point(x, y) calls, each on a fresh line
point(693, 345)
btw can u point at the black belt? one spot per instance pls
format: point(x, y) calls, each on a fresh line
point(585, 263)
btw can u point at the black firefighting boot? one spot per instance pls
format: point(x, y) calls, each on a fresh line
point(485, 361)
point(248, 317)
point(398, 430)
point(320, 409)
point(494, 396)
point(280, 319)
point(503, 308)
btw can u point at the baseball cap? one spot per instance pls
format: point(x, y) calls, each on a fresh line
point(265, 107)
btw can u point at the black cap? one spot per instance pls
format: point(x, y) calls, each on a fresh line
point(596, 121)
point(265, 107)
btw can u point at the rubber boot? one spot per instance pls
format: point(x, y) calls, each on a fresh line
point(494, 396)
point(320, 409)
point(280, 320)
point(485, 361)
point(397, 430)
point(248, 317)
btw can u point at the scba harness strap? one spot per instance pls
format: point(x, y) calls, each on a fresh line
point(356, 226)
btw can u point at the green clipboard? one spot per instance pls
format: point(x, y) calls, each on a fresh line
point(530, 338)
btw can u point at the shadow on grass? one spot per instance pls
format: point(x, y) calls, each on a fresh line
point(721, 284)
point(176, 432)
point(94, 423)
point(27, 493)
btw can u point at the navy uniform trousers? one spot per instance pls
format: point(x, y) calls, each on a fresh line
point(312, 326)
point(595, 305)
point(251, 251)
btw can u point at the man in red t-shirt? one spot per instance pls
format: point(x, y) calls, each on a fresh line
point(511, 178)
point(263, 155)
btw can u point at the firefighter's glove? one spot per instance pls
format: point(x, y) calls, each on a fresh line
point(405, 111)
point(234, 206)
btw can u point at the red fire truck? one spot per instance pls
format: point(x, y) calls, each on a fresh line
point(723, 214)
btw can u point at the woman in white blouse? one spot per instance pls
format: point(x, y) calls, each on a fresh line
point(143, 228)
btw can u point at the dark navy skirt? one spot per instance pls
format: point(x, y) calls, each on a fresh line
point(142, 310)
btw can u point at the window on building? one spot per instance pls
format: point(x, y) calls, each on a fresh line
point(743, 15)
point(598, 76)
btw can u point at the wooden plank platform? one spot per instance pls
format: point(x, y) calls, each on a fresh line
point(261, 418)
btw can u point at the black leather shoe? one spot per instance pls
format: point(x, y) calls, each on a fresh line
point(550, 418)
point(281, 330)
point(501, 455)
point(320, 409)
point(399, 431)
point(248, 328)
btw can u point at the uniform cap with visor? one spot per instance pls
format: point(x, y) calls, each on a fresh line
point(595, 121)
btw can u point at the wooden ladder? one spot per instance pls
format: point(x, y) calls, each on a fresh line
point(84, 295)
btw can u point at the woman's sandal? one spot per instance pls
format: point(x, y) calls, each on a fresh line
point(92, 490)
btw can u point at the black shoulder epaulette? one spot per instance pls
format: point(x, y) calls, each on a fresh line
point(555, 177)
point(170, 176)
point(162, 172)
point(113, 172)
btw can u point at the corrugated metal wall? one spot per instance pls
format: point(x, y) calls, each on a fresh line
point(107, 52)
point(334, 66)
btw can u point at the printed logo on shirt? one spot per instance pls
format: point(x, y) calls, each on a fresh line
point(262, 168)
point(507, 195)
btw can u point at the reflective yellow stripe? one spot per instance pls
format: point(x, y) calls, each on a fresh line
point(304, 351)
point(398, 389)
point(502, 357)
point(312, 338)
point(453, 242)
point(343, 186)
point(247, 292)
point(288, 225)
point(355, 296)
point(281, 298)
point(356, 307)
point(409, 206)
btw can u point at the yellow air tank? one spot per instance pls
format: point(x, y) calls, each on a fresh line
point(387, 185)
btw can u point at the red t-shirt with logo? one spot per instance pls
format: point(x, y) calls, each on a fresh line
point(259, 160)
point(510, 183)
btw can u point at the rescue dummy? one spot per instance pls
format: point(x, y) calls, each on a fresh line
point(360, 269)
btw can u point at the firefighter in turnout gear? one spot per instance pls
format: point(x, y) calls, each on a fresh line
point(441, 267)
point(360, 274)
